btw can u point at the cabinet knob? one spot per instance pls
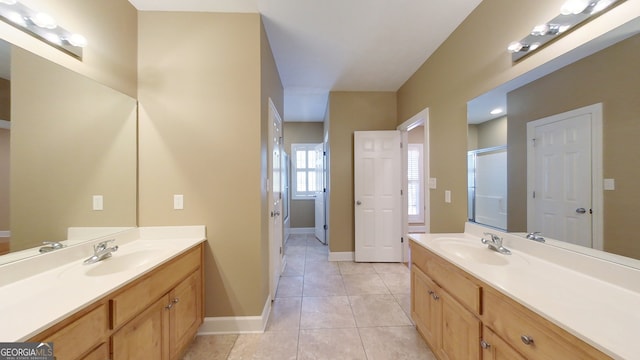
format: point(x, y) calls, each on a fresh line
point(484, 344)
point(168, 307)
point(527, 340)
point(175, 300)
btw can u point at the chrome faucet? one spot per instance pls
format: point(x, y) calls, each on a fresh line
point(535, 236)
point(495, 243)
point(101, 251)
point(51, 245)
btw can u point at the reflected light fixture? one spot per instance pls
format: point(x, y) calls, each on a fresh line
point(41, 26)
point(572, 14)
point(496, 111)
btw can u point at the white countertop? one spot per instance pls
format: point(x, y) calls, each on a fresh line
point(40, 291)
point(605, 314)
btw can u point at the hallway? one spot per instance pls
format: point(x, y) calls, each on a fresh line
point(328, 310)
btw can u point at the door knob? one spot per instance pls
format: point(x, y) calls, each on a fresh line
point(358, 202)
point(581, 210)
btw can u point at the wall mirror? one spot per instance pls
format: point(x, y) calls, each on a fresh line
point(603, 73)
point(67, 155)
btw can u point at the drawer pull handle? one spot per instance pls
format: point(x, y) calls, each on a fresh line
point(485, 345)
point(527, 340)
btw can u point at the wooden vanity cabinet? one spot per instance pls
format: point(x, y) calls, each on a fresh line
point(451, 330)
point(154, 317)
point(461, 317)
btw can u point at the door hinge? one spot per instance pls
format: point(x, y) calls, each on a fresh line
point(400, 191)
point(534, 142)
point(324, 153)
point(401, 240)
point(325, 227)
point(590, 211)
point(324, 190)
point(534, 194)
point(400, 145)
point(280, 250)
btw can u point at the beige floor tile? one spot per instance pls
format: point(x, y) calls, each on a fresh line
point(317, 254)
point(397, 283)
point(382, 268)
point(383, 343)
point(314, 242)
point(377, 310)
point(296, 240)
point(296, 251)
point(405, 303)
point(328, 312)
point(289, 286)
point(285, 314)
point(323, 285)
point(362, 284)
point(330, 344)
point(294, 266)
point(321, 267)
point(210, 347)
point(276, 345)
point(350, 267)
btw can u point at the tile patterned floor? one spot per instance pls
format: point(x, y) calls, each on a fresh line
point(328, 310)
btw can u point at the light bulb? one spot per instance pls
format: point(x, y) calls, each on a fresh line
point(514, 47)
point(496, 111)
point(540, 30)
point(77, 40)
point(16, 18)
point(574, 7)
point(45, 21)
point(534, 46)
point(53, 38)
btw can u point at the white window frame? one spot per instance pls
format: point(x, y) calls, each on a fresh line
point(295, 194)
point(419, 217)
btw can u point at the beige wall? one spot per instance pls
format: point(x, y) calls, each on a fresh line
point(203, 132)
point(71, 138)
point(487, 134)
point(302, 211)
point(349, 112)
point(110, 27)
point(470, 62)
point(589, 81)
point(4, 175)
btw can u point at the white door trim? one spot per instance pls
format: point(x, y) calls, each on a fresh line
point(421, 118)
point(597, 200)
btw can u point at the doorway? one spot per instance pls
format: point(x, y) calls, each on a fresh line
point(564, 176)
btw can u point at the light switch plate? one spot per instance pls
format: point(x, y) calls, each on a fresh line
point(432, 183)
point(447, 196)
point(178, 202)
point(609, 184)
point(98, 202)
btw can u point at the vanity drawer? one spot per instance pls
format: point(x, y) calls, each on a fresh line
point(81, 334)
point(530, 334)
point(449, 277)
point(139, 295)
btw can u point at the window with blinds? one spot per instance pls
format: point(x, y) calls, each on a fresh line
point(415, 186)
point(305, 184)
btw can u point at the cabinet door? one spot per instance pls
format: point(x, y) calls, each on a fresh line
point(460, 336)
point(494, 348)
point(186, 313)
point(145, 336)
point(425, 310)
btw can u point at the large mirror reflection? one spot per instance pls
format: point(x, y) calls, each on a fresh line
point(567, 177)
point(67, 154)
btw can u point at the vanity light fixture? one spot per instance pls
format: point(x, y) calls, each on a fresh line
point(41, 26)
point(572, 14)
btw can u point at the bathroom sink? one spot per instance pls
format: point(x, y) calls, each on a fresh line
point(122, 262)
point(466, 250)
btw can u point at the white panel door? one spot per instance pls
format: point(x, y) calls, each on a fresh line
point(563, 181)
point(319, 196)
point(274, 194)
point(378, 204)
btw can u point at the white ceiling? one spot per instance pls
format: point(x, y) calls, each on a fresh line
point(349, 45)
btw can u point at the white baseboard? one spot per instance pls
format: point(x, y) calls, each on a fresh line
point(302, 230)
point(5, 233)
point(342, 256)
point(237, 324)
point(417, 229)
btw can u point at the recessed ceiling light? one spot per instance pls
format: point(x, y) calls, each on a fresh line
point(496, 111)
